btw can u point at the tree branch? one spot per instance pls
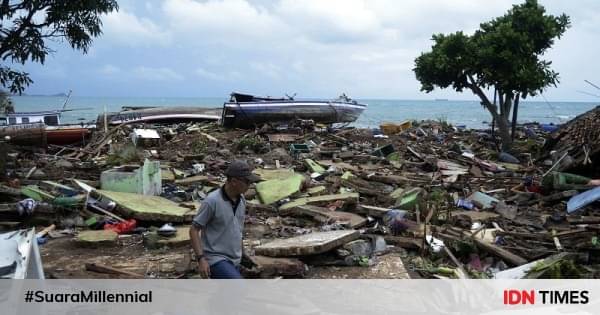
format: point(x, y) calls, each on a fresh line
point(485, 101)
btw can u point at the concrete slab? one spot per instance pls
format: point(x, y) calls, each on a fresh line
point(268, 174)
point(308, 244)
point(97, 238)
point(324, 215)
point(389, 266)
point(148, 208)
point(273, 190)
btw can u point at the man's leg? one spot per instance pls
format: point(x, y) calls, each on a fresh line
point(224, 269)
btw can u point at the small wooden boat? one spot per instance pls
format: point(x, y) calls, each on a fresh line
point(67, 134)
point(248, 111)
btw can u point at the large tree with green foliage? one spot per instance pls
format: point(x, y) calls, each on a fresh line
point(27, 25)
point(502, 58)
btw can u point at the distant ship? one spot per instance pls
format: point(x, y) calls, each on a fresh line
point(441, 99)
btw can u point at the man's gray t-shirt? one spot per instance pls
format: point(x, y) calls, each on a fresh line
point(221, 227)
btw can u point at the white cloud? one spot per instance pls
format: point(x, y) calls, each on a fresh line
point(128, 29)
point(109, 70)
point(332, 20)
point(365, 48)
point(266, 69)
point(230, 21)
point(156, 74)
point(218, 76)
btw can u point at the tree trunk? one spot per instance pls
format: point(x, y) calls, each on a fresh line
point(500, 119)
point(504, 131)
point(515, 113)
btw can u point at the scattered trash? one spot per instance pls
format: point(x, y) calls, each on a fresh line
point(354, 196)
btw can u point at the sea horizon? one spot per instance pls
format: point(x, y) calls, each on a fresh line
point(457, 112)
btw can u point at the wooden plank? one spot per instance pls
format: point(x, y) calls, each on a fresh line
point(511, 258)
point(476, 215)
point(350, 197)
point(110, 270)
point(404, 242)
point(376, 212)
point(308, 244)
point(191, 180)
point(324, 215)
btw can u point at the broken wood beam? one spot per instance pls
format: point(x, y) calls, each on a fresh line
point(404, 242)
point(110, 270)
point(513, 259)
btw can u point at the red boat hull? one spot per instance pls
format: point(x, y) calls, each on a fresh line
point(66, 135)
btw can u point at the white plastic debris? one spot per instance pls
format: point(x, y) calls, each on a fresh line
point(436, 244)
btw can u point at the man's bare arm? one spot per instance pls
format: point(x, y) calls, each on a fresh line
point(196, 239)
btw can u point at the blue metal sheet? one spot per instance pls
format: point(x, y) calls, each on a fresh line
point(579, 201)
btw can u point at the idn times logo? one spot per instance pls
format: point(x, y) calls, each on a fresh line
point(520, 297)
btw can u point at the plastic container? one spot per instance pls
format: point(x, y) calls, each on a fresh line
point(465, 204)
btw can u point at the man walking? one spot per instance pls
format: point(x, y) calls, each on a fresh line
point(216, 232)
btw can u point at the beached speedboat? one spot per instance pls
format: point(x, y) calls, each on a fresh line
point(247, 111)
point(130, 115)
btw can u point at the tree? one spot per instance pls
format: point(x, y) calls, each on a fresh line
point(6, 105)
point(27, 25)
point(503, 56)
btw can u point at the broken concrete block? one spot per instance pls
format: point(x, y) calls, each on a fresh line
point(349, 197)
point(269, 267)
point(361, 248)
point(181, 238)
point(314, 166)
point(146, 180)
point(308, 244)
point(273, 190)
point(97, 238)
point(324, 215)
point(149, 208)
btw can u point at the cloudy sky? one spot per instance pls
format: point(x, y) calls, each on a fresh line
point(316, 48)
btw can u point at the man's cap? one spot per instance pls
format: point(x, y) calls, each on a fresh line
point(240, 168)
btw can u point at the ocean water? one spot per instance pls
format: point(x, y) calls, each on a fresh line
point(469, 113)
